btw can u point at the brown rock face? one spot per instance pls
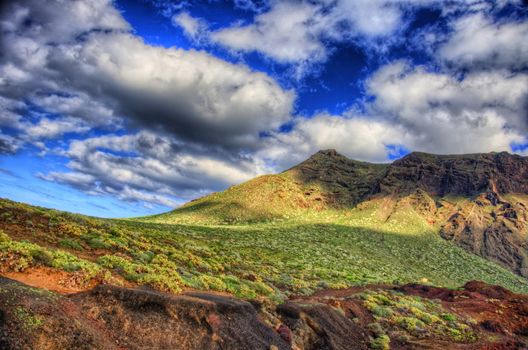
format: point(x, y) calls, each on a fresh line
point(465, 175)
point(345, 182)
point(493, 227)
point(110, 317)
point(349, 181)
point(116, 318)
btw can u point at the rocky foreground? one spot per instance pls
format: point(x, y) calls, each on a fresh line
point(478, 316)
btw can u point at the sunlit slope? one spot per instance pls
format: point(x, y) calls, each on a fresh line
point(261, 199)
point(327, 180)
point(272, 260)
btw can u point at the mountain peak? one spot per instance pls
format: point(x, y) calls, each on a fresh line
point(329, 152)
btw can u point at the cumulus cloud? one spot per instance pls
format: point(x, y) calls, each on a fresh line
point(482, 112)
point(301, 32)
point(47, 128)
point(479, 41)
point(418, 110)
point(190, 94)
point(358, 137)
point(194, 28)
point(148, 167)
point(8, 144)
point(79, 106)
point(289, 32)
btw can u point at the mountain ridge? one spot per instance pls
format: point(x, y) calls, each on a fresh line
point(328, 179)
point(478, 201)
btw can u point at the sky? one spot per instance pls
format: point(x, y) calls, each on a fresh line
point(129, 108)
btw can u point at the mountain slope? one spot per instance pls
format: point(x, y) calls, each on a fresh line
point(478, 201)
point(285, 269)
point(327, 180)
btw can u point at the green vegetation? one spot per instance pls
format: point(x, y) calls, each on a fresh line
point(28, 320)
point(416, 316)
point(265, 198)
point(328, 249)
point(20, 255)
point(380, 343)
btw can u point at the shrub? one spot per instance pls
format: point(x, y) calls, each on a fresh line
point(380, 343)
point(144, 257)
point(382, 311)
point(213, 283)
point(28, 320)
point(42, 256)
point(410, 324)
point(71, 244)
point(375, 328)
point(448, 317)
point(97, 243)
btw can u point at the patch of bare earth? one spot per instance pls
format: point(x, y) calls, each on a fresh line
point(47, 278)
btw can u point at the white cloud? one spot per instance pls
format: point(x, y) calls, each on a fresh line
point(149, 167)
point(370, 17)
point(189, 93)
point(79, 106)
point(289, 32)
point(111, 73)
point(8, 111)
point(357, 137)
point(484, 111)
point(478, 41)
point(47, 128)
point(304, 31)
point(419, 110)
point(192, 27)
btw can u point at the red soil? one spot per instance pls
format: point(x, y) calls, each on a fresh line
point(47, 278)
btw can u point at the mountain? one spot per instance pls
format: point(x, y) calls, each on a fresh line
point(330, 254)
point(478, 201)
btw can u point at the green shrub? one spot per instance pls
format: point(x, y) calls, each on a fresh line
point(448, 317)
point(97, 243)
point(71, 244)
point(28, 320)
point(408, 323)
point(376, 329)
point(213, 283)
point(42, 257)
point(380, 343)
point(144, 257)
point(382, 311)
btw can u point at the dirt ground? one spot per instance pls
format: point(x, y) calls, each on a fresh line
point(41, 311)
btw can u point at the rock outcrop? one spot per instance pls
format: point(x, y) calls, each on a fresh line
point(464, 175)
point(109, 317)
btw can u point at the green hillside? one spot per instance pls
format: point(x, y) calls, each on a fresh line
point(332, 248)
point(327, 180)
point(327, 222)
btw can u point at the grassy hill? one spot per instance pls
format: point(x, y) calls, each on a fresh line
point(477, 201)
point(327, 222)
point(327, 180)
point(332, 248)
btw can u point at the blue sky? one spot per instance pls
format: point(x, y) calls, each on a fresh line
point(128, 108)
